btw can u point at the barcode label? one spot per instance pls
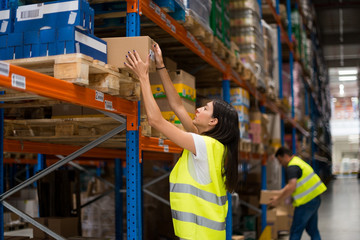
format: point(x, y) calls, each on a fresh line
point(152, 5)
point(163, 17)
point(108, 105)
point(161, 142)
point(157, 10)
point(173, 28)
point(166, 148)
point(18, 81)
point(168, 23)
point(4, 69)
point(99, 96)
point(29, 12)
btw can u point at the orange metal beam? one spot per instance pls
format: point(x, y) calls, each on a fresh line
point(47, 86)
point(50, 161)
point(158, 145)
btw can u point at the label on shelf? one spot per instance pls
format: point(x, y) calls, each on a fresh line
point(99, 96)
point(4, 69)
point(108, 105)
point(18, 81)
point(161, 142)
point(166, 148)
point(30, 12)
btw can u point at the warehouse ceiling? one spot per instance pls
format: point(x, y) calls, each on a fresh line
point(338, 25)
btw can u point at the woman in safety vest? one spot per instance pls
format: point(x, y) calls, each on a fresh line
point(208, 166)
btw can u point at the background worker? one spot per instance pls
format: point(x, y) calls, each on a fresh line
point(305, 187)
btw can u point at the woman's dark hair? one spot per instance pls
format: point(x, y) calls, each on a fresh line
point(227, 132)
point(282, 151)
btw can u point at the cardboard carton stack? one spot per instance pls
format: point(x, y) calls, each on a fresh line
point(50, 28)
point(279, 218)
point(185, 86)
point(240, 99)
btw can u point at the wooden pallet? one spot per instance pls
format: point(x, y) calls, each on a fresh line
point(257, 148)
point(245, 145)
point(219, 48)
point(198, 30)
point(85, 71)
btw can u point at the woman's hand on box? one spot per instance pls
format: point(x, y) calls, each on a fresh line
point(137, 65)
point(158, 56)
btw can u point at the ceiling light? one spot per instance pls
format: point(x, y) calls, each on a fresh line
point(348, 72)
point(347, 78)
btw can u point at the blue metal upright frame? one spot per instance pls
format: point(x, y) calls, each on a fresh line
point(1, 170)
point(291, 60)
point(118, 199)
point(133, 163)
point(226, 97)
point(281, 96)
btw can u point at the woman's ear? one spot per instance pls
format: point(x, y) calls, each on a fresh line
point(213, 121)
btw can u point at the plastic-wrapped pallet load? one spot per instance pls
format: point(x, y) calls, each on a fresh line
point(240, 99)
point(246, 33)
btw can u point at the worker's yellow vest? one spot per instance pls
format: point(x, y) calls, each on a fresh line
point(308, 186)
point(199, 211)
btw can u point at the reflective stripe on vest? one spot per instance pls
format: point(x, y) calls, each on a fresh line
point(202, 221)
point(300, 195)
point(207, 196)
point(305, 180)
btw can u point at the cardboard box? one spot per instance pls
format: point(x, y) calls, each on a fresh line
point(170, 64)
point(237, 237)
point(165, 107)
point(282, 220)
point(65, 227)
point(184, 84)
point(271, 215)
point(118, 49)
point(267, 195)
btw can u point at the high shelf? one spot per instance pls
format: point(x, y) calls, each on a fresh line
point(138, 146)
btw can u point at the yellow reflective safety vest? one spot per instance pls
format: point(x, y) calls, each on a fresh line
point(199, 211)
point(308, 186)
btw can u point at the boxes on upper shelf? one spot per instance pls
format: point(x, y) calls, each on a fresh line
point(118, 49)
point(6, 21)
point(14, 49)
point(56, 14)
point(183, 82)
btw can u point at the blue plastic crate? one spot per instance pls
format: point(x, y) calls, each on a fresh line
point(6, 21)
point(15, 42)
point(3, 47)
point(56, 14)
point(166, 5)
point(31, 44)
point(47, 42)
point(74, 40)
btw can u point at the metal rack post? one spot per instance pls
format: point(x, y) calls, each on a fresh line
point(263, 184)
point(118, 199)
point(1, 170)
point(226, 97)
point(281, 96)
point(133, 159)
point(291, 60)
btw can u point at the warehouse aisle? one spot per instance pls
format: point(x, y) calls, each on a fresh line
point(339, 214)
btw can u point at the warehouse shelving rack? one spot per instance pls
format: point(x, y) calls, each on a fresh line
point(135, 144)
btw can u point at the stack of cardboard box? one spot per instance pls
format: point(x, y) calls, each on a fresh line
point(280, 217)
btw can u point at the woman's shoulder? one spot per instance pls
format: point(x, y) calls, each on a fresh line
point(211, 140)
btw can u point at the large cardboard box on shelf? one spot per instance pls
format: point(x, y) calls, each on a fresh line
point(183, 82)
point(168, 113)
point(118, 48)
point(65, 227)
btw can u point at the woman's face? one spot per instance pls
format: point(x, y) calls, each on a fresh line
point(204, 120)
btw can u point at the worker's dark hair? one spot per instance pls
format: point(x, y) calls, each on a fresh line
point(227, 132)
point(282, 152)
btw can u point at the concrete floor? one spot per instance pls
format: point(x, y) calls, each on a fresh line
point(339, 213)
